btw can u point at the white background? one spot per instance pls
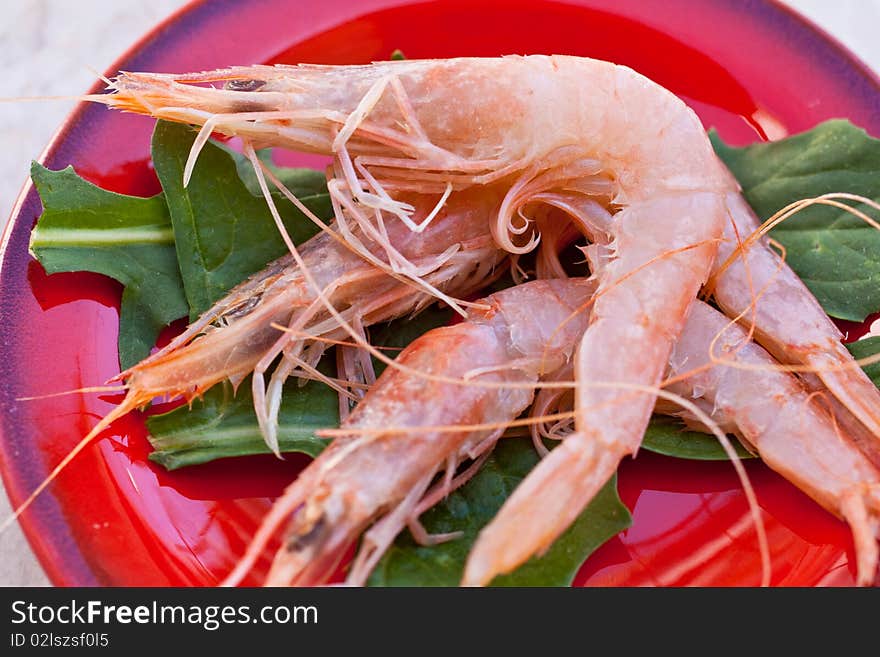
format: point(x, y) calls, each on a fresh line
point(50, 47)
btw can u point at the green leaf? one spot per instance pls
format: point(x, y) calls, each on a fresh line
point(85, 228)
point(223, 424)
point(222, 232)
point(863, 349)
point(306, 182)
point(472, 506)
point(670, 438)
point(836, 254)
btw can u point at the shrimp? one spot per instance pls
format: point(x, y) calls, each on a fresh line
point(791, 325)
point(791, 429)
point(372, 472)
point(741, 388)
point(239, 335)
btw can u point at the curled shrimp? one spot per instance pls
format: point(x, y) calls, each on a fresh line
point(625, 158)
point(385, 476)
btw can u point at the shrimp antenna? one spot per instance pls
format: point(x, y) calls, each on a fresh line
point(131, 402)
point(440, 428)
point(52, 395)
point(94, 98)
point(98, 75)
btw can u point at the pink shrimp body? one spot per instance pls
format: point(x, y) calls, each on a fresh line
point(791, 324)
point(357, 479)
point(793, 431)
point(279, 292)
point(240, 334)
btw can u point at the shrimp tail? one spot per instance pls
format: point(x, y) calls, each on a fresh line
point(864, 524)
point(544, 505)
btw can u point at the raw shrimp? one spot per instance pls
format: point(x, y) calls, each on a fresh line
point(239, 335)
point(755, 284)
point(791, 429)
point(556, 124)
point(624, 157)
point(527, 331)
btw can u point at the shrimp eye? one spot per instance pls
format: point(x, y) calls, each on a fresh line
point(244, 85)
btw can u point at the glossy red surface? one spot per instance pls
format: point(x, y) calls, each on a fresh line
point(751, 69)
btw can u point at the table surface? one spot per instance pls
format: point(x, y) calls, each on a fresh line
point(53, 47)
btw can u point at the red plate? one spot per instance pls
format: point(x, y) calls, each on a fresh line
point(751, 69)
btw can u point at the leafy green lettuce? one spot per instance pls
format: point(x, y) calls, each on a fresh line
point(85, 228)
point(222, 232)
